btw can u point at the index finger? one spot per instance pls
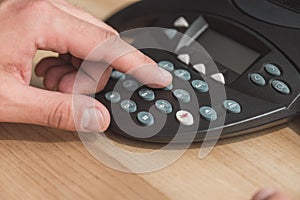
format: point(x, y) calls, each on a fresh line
point(89, 41)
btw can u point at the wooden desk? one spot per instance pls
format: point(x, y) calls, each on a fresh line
point(42, 163)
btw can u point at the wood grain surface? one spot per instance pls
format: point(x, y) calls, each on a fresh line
point(42, 163)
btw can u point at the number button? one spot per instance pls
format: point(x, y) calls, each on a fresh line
point(258, 79)
point(147, 94)
point(182, 95)
point(130, 85)
point(169, 87)
point(118, 75)
point(164, 106)
point(145, 118)
point(201, 86)
point(183, 74)
point(129, 106)
point(113, 97)
point(167, 65)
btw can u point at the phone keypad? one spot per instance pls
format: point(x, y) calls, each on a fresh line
point(136, 107)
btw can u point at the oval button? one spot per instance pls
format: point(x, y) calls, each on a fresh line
point(272, 69)
point(208, 113)
point(258, 79)
point(182, 95)
point(183, 74)
point(232, 106)
point(129, 106)
point(281, 87)
point(164, 106)
point(185, 118)
point(167, 65)
point(145, 118)
point(147, 94)
point(113, 97)
point(118, 75)
point(130, 85)
point(201, 86)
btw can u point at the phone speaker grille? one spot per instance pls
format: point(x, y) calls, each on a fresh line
point(293, 5)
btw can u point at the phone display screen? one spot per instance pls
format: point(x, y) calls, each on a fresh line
point(228, 52)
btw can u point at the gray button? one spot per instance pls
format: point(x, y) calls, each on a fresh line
point(272, 69)
point(201, 68)
point(145, 118)
point(169, 87)
point(113, 97)
point(232, 106)
point(129, 106)
point(201, 86)
point(130, 85)
point(181, 22)
point(185, 118)
point(219, 77)
point(117, 75)
point(147, 94)
point(281, 87)
point(167, 65)
point(258, 79)
point(208, 113)
point(183, 74)
point(185, 58)
point(164, 106)
point(170, 33)
point(182, 95)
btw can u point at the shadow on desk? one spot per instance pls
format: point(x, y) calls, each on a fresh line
point(47, 135)
point(294, 125)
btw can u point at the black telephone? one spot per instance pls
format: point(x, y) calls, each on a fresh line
point(256, 47)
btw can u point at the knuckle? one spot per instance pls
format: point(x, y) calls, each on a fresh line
point(146, 59)
point(60, 116)
point(108, 34)
point(112, 38)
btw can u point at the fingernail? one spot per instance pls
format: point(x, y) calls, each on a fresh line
point(165, 74)
point(264, 194)
point(90, 120)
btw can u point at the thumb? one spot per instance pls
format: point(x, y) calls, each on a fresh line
point(25, 104)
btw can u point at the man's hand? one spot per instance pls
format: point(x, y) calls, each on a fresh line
point(55, 25)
